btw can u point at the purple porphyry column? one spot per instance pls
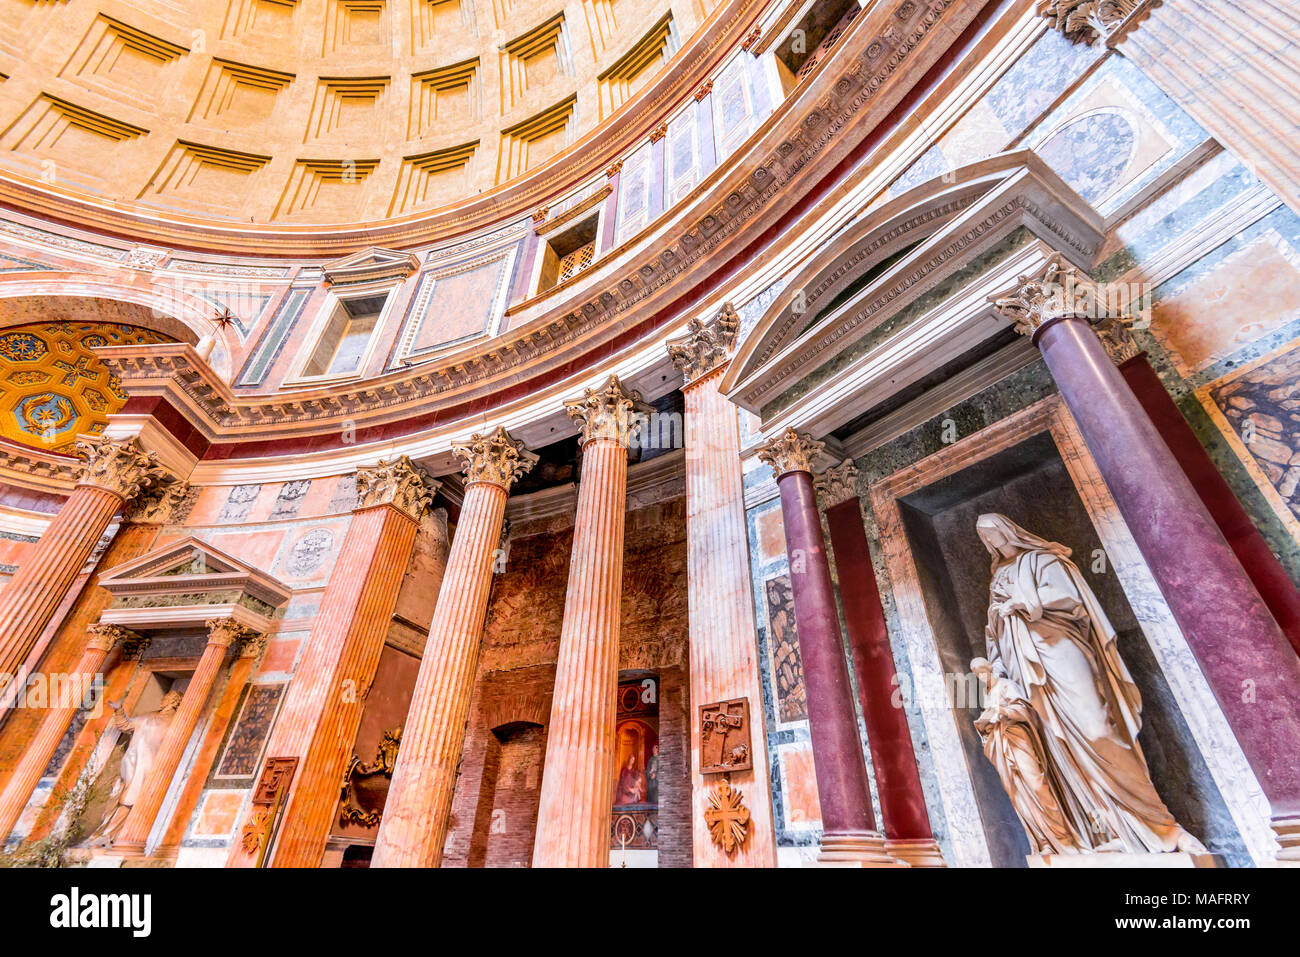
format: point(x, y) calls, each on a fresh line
point(1252, 669)
point(849, 832)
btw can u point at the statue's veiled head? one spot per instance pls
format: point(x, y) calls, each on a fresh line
point(1005, 539)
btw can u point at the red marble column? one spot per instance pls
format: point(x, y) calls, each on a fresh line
point(723, 636)
point(54, 724)
point(898, 781)
point(222, 632)
point(573, 817)
point(1270, 578)
point(414, 825)
point(115, 472)
point(322, 709)
point(1246, 658)
point(849, 832)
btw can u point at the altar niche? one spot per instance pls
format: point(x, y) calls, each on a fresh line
point(634, 823)
point(1030, 483)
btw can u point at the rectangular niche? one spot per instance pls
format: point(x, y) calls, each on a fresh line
point(454, 303)
point(630, 71)
point(568, 252)
point(343, 337)
point(535, 140)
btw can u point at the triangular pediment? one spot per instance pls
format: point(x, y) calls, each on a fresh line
point(192, 566)
point(372, 264)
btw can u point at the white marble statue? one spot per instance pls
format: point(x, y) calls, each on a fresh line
point(147, 733)
point(1062, 697)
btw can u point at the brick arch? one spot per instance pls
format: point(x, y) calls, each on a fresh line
point(502, 712)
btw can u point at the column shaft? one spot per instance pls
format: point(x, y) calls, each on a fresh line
point(414, 825)
point(42, 581)
point(139, 822)
point(578, 779)
point(723, 636)
point(898, 781)
point(1252, 669)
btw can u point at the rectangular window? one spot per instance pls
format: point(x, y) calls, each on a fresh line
point(342, 341)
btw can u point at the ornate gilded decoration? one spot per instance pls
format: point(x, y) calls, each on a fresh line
point(727, 818)
point(55, 387)
point(103, 637)
point(227, 631)
point(724, 737)
point(123, 468)
point(707, 344)
point(352, 810)
point(791, 451)
point(610, 411)
point(496, 458)
point(1083, 21)
point(400, 483)
point(837, 484)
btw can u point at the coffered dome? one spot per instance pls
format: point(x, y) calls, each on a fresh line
point(315, 111)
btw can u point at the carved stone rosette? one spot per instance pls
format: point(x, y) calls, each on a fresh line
point(123, 468)
point(706, 345)
point(1083, 21)
point(837, 484)
point(610, 411)
point(227, 631)
point(495, 458)
point(101, 636)
point(791, 451)
point(400, 483)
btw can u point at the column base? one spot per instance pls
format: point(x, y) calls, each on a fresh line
point(858, 849)
point(1117, 859)
point(922, 852)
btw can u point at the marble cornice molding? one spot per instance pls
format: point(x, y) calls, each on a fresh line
point(1033, 199)
point(869, 56)
point(705, 53)
point(35, 469)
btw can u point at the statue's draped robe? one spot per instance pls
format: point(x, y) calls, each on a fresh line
point(147, 733)
point(1061, 650)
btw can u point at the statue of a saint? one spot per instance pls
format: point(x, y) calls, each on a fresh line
point(147, 733)
point(1067, 701)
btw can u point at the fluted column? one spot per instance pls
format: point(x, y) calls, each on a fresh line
point(414, 825)
point(577, 798)
point(322, 709)
point(905, 822)
point(1233, 65)
point(1252, 669)
point(849, 832)
point(723, 635)
point(114, 473)
point(222, 632)
point(40, 749)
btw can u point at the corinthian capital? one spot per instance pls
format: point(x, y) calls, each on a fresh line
point(1083, 21)
point(123, 468)
point(164, 504)
point(610, 411)
point(400, 483)
point(1057, 292)
point(837, 484)
point(227, 631)
point(706, 345)
point(791, 451)
point(102, 637)
point(495, 458)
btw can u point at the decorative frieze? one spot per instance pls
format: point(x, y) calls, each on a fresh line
point(791, 451)
point(610, 411)
point(400, 483)
point(837, 484)
point(495, 458)
point(707, 344)
point(123, 468)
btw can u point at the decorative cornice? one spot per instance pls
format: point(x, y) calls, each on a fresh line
point(838, 484)
point(123, 468)
point(103, 637)
point(495, 458)
point(400, 483)
point(706, 345)
point(791, 451)
point(610, 412)
point(227, 631)
point(1084, 21)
